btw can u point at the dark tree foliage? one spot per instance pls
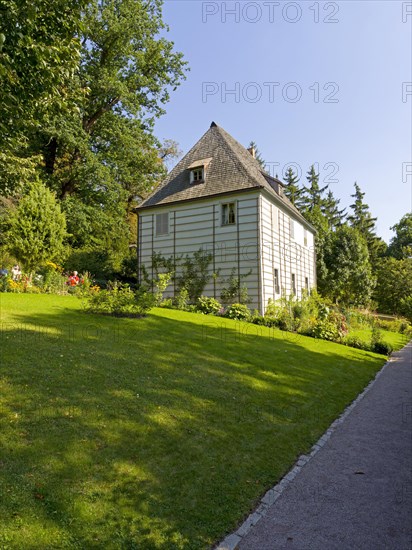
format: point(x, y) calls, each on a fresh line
point(400, 246)
point(293, 191)
point(334, 216)
point(349, 280)
point(258, 155)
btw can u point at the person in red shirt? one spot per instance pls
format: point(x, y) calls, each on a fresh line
point(73, 279)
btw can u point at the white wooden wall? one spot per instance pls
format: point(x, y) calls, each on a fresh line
point(260, 242)
point(283, 252)
point(198, 225)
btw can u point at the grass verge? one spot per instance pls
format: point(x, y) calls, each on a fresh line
point(153, 433)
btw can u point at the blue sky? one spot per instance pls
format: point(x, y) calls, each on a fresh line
point(312, 82)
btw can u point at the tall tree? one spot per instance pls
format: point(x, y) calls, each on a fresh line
point(258, 155)
point(37, 227)
point(393, 292)
point(126, 73)
point(400, 246)
point(84, 84)
point(293, 191)
point(313, 195)
point(361, 218)
point(39, 55)
point(331, 211)
point(349, 279)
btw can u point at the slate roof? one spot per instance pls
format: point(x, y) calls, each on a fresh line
point(231, 168)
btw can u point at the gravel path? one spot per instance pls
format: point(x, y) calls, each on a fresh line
point(356, 491)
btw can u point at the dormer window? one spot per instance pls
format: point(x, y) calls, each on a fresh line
point(197, 175)
point(198, 170)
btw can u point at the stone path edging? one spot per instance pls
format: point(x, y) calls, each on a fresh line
point(231, 541)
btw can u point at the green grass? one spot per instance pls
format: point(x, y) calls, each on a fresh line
point(153, 433)
point(395, 339)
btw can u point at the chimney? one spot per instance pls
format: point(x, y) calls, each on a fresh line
point(252, 151)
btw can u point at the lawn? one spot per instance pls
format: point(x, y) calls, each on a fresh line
point(154, 433)
point(395, 339)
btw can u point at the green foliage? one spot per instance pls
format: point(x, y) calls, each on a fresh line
point(292, 190)
point(361, 219)
point(325, 330)
point(82, 85)
point(234, 290)
point(400, 246)
point(182, 299)
point(208, 306)
point(119, 301)
point(356, 342)
point(334, 216)
point(382, 348)
point(102, 263)
point(195, 274)
point(39, 58)
point(52, 280)
point(161, 284)
point(394, 286)
point(258, 155)
point(37, 228)
point(238, 311)
point(349, 279)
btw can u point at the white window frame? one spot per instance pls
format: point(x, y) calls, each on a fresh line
point(276, 280)
point(293, 283)
point(275, 218)
point(228, 205)
point(291, 228)
point(197, 175)
point(162, 224)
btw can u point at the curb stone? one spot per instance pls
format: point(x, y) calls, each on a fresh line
point(232, 541)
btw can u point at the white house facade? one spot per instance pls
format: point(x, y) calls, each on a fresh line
point(219, 200)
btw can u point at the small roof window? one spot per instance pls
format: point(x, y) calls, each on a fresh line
point(198, 170)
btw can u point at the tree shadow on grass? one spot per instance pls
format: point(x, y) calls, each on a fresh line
point(157, 432)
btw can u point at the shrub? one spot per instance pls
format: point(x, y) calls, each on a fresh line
point(208, 306)
point(5, 283)
point(325, 330)
point(119, 301)
point(234, 290)
point(182, 299)
point(238, 311)
point(195, 273)
point(356, 342)
point(382, 347)
point(161, 283)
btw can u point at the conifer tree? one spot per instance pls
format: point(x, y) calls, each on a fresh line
point(334, 216)
point(37, 227)
point(292, 190)
point(312, 196)
point(362, 220)
point(258, 155)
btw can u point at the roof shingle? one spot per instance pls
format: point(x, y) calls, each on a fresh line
point(231, 168)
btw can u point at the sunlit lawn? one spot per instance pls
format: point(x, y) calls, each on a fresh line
point(395, 339)
point(150, 433)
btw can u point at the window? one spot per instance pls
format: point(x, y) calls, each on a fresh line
point(276, 281)
point(275, 218)
point(293, 283)
point(197, 175)
point(162, 224)
point(307, 284)
point(291, 228)
point(228, 213)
